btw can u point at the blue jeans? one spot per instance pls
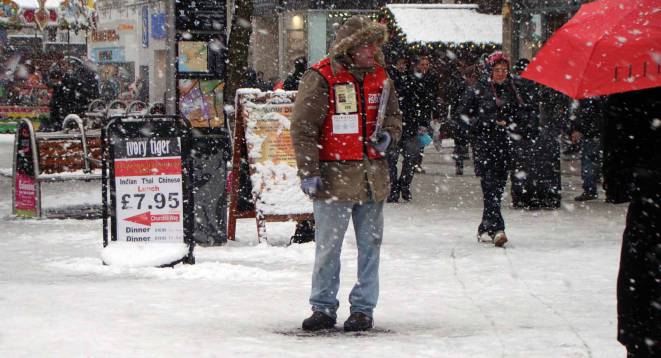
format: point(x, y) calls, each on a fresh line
point(590, 164)
point(332, 220)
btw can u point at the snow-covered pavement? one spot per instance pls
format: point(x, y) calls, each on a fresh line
point(551, 293)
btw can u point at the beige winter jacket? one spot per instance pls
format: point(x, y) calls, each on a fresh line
point(354, 181)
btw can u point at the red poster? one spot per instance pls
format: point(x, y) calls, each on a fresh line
point(25, 197)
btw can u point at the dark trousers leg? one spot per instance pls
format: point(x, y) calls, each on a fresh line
point(493, 186)
point(638, 288)
point(590, 164)
point(393, 158)
point(459, 152)
point(411, 152)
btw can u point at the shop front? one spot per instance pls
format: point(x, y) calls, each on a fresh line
point(532, 22)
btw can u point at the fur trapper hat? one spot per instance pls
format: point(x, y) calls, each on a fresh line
point(356, 31)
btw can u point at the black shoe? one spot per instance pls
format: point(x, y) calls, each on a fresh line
point(420, 170)
point(304, 232)
point(358, 321)
point(459, 170)
point(393, 197)
point(318, 321)
point(406, 195)
point(585, 197)
point(301, 238)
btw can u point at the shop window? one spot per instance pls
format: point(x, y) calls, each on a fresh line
point(530, 35)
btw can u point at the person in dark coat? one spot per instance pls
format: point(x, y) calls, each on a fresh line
point(420, 98)
point(493, 107)
point(632, 164)
point(399, 73)
point(58, 106)
point(586, 130)
point(292, 81)
point(252, 81)
point(454, 86)
point(536, 150)
point(86, 86)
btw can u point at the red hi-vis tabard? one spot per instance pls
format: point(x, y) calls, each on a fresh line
point(352, 112)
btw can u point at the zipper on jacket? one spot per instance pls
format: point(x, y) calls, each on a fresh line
point(363, 114)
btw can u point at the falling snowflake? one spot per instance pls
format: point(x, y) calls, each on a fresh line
point(656, 123)
point(657, 57)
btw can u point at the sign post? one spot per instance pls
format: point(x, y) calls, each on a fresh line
point(200, 50)
point(146, 192)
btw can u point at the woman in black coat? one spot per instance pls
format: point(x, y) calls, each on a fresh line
point(494, 107)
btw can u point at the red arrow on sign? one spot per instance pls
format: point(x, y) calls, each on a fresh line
point(147, 218)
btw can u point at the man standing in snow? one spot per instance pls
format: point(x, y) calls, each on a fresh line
point(341, 169)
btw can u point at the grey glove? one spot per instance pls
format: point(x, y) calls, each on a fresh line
point(311, 185)
point(382, 142)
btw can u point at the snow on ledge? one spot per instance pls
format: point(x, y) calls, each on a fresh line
point(134, 254)
point(455, 23)
point(34, 4)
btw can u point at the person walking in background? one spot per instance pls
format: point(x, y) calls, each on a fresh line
point(341, 169)
point(492, 106)
point(140, 89)
point(292, 81)
point(455, 86)
point(58, 106)
point(399, 73)
point(420, 98)
point(110, 87)
point(586, 131)
point(423, 100)
point(535, 176)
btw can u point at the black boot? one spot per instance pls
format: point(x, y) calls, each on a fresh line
point(358, 321)
point(459, 169)
point(318, 321)
point(304, 232)
point(406, 195)
point(393, 197)
point(585, 197)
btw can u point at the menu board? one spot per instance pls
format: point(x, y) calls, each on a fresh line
point(148, 189)
point(271, 157)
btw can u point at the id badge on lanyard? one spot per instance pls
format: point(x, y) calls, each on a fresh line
point(345, 119)
point(345, 98)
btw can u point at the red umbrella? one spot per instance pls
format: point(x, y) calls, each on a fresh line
point(609, 46)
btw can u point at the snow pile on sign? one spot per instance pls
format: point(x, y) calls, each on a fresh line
point(447, 23)
point(276, 186)
point(143, 254)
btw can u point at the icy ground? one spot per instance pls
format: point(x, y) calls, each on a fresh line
point(550, 294)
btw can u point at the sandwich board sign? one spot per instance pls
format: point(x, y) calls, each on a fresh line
point(145, 192)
